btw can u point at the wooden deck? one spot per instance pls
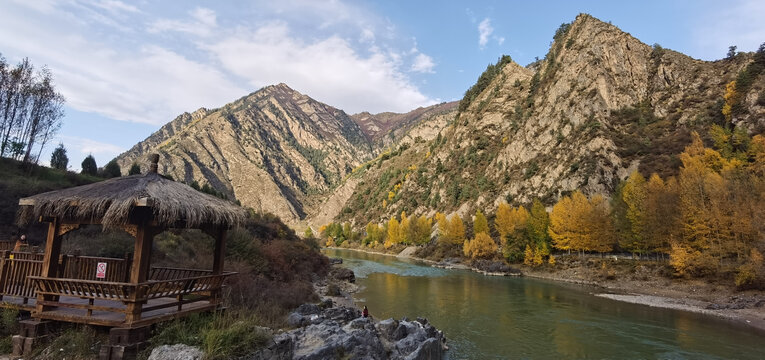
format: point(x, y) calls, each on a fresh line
point(114, 317)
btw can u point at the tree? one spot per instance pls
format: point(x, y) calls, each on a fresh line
point(112, 169)
point(538, 223)
point(731, 99)
point(374, 234)
point(393, 233)
point(453, 230)
point(308, 233)
point(403, 229)
point(89, 166)
point(134, 169)
point(516, 237)
point(480, 224)
point(420, 230)
point(731, 52)
point(577, 223)
point(30, 110)
point(661, 214)
point(482, 246)
point(502, 221)
point(634, 196)
point(59, 160)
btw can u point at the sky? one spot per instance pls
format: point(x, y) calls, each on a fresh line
point(128, 67)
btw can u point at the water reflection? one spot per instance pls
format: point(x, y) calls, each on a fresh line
point(500, 318)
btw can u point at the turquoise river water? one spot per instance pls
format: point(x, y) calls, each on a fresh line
point(486, 317)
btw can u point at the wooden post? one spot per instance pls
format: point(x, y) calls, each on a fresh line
point(50, 260)
point(139, 270)
point(218, 262)
point(220, 251)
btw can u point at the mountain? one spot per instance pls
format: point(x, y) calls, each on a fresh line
point(600, 105)
point(275, 150)
point(386, 128)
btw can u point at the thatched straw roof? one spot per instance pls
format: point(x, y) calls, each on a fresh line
point(111, 202)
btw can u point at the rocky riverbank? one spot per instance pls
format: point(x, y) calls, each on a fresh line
point(342, 332)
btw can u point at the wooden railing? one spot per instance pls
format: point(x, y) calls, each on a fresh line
point(88, 289)
point(7, 245)
point(15, 269)
point(20, 276)
point(22, 255)
point(84, 268)
point(168, 273)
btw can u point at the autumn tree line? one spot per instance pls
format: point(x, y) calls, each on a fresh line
point(706, 221)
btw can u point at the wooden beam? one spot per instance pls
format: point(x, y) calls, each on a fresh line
point(145, 201)
point(26, 202)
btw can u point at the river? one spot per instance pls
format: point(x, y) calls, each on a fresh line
point(487, 317)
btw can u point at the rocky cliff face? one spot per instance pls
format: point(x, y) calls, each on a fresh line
point(272, 150)
point(600, 105)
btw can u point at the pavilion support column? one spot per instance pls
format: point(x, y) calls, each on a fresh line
point(139, 272)
point(50, 261)
point(218, 262)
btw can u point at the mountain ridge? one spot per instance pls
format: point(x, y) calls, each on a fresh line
point(600, 105)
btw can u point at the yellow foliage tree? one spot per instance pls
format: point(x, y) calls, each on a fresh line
point(403, 229)
point(731, 97)
point(443, 228)
point(566, 222)
point(482, 246)
point(455, 231)
point(502, 221)
point(393, 233)
point(420, 230)
point(480, 224)
point(634, 195)
point(528, 257)
point(538, 259)
point(577, 223)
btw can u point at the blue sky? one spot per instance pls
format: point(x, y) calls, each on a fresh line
point(126, 68)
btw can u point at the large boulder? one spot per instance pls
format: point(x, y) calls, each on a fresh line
point(341, 332)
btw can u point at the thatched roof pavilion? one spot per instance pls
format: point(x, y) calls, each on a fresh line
point(142, 205)
point(112, 203)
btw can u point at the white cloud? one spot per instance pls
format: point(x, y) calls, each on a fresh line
point(203, 23)
point(149, 84)
point(328, 69)
point(423, 63)
point(129, 70)
point(115, 6)
point(484, 31)
point(737, 23)
point(89, 146)
point(500, 40)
